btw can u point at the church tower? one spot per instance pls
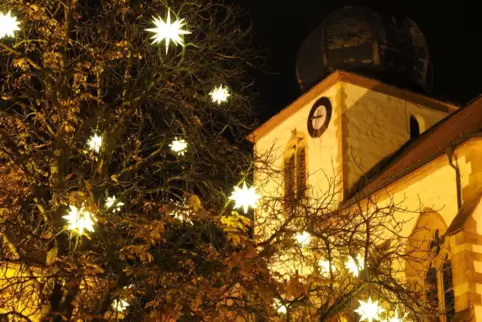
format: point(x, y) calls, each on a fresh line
point(361, 74)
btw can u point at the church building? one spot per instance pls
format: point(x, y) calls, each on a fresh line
point(365, 117)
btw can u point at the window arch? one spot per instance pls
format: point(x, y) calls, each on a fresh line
point(448, 289)
point(295, 168)
point(431, 286)
point(430, 264)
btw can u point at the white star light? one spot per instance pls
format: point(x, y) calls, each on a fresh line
point(8, 25)
point(95, 142)
point(112, 201)
point(395, 317)
point(369, 310)
point(80, 220)
point(280, 307)
point(119, 305)
point(325, 267)
point(181, 211)
point(245, 197)
point(220, 94)
point(168, 31)
point(178, 146)
point(303, 238)
point(352, 266)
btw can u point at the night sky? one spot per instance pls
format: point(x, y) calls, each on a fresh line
point(453, 30)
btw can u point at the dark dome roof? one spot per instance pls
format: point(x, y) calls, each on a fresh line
point(391, 49)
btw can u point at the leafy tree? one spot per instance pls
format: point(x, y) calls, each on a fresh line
point(327, 258)
point(90, 110)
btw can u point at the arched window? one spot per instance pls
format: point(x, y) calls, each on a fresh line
point(289, 176)
point(414, 127)
point(431, 288)
point(295, 169)
point(301, 171)
point(448, 288)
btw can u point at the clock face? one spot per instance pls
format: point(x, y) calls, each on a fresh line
point(319, 117)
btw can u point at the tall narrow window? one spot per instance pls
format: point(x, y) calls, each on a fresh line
point(295, 170)
point(414, 127)
point(289, 176)
point(301, 172)
point(449, 296)
point(431, 289)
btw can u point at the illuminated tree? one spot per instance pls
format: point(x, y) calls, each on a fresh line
point(116, 163)
point(356, 260)
point(122, 126)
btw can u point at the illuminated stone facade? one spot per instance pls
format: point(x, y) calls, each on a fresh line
point(371, 146)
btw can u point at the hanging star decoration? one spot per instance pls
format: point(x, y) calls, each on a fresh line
point(395, 317)
point(80, 220)
point(8, 25)
point(181, 211)
point(352, 265)
point(369, 310)
point(325, 267)
point(112, 201)
point(168, 31)
point(245, 197)
point(280, 307)
point(303, 238)
point(178, 146)
point(95, 142)
point(220, 94)
point(120, 305)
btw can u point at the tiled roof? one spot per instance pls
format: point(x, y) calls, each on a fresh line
point(464, 213)
point(452, 130)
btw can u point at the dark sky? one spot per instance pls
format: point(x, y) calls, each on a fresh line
point(453, 30)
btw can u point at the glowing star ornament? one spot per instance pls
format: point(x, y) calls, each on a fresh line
point(8, 25)
point(352, 265)
point(220, 94)
point(325, 268)
point(80, 220)
point(280, 307)
point(303, 238)
point(119, 305)
point(181, 211)
point(178, 146)
point(168, 31)
point(95, 142)
point(112, 201)
point(369, 310)
point(395, 317)
point(245, 197)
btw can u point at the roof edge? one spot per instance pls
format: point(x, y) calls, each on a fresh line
point(293, 107)
point(362, 195)
point(352, 78)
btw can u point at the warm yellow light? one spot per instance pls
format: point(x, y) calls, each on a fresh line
point(325, 268)
point(369, 310)
point(95, 142)
point(119, 305)
point(220, 94)
point(168, 31)
point(280, 307)
point(80, 220)
point(245, 197)
point(113, 202)
point(303, 238)
point(181, 211)
point(352, 265)
point(8, 25)
point(395, 317)
point(178, 146)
